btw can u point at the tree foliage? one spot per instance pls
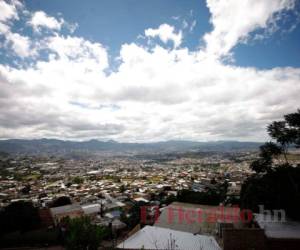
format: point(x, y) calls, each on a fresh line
point(26, 189)
point(19, 216)
point(61, 201)
point(276, 184)
point(278, 189)
point(82, 234)
point(133, 216)
point(78, 180)
point(211, 196)
point(286, 134)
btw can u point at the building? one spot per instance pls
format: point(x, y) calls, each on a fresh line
point(196, 218)
point(265, 233)
point(152, 237)
point(71, 211)
point(279, 234)
point(91, 209)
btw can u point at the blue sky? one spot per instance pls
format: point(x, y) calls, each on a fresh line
point(147, 70)
point(114, 22)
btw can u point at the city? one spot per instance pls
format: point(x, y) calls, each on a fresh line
point(155, 124)
point(126, 192)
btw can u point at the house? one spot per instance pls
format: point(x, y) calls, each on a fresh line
point(196, 218)
point(141, 199)
point(45, 217)
point(152, 237)
point(265, 233)
point(91, 209)
point(71, 211)
point(279, 234)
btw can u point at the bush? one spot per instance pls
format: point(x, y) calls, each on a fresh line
point(278, 189)
point(210, 197)
point(81, 234)
point(19, 216)
point(42, 237)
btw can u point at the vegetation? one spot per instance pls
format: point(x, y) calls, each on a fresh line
point(19, 216)
point(276, 182)
point(122, 189)
point(26, 189)
point(82, 234)
point(133, 216)
point(211, 196)
point(61, 201)
point(78, 180)
point(169, 199)
point(40, 237)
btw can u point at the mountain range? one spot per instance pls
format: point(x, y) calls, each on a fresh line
point(54, 146)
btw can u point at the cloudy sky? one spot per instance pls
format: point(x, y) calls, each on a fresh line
point(156, 70)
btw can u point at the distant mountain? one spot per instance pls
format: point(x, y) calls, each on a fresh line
point(53, 146)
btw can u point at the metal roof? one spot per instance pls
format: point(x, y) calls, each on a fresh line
point(152, 237)
point(65, 209)
point(206, 224)
point(287, 229)
point(91, 208)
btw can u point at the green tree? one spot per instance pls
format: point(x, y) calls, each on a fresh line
point(276, 185)
point(122, 189)
point(19, 216)
point(78, 180)
point(285, 133)
point(274, 190)
point(26, 189)
point(208, 197)
point(82, 234)
point(61, 201)
point(267, 152)
point(169, 199)
point(133, 216)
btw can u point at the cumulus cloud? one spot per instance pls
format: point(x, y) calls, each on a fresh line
point(233, 21)
point(79, 49)
point(8, 11)
point(41, 19)
point(20, 45)
point(166, 33)
point(156, 93)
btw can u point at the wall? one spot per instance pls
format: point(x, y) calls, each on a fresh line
point(244, 239)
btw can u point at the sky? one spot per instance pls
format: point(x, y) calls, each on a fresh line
point(144, 71)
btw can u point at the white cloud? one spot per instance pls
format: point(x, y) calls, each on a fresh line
point(21, 45)
point(193, 25)
point(156, 93)
point(4, 28)
point(79, 50)
point(160, 94)
point(8, 11)
point(41, 19)
point(166, 33)
point(233, 21)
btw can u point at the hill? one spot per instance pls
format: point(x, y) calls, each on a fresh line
point(54, 146)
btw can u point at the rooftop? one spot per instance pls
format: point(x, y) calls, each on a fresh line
point(65, 209)
point(152, 237)
point(287, 229)
point(195, 218)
